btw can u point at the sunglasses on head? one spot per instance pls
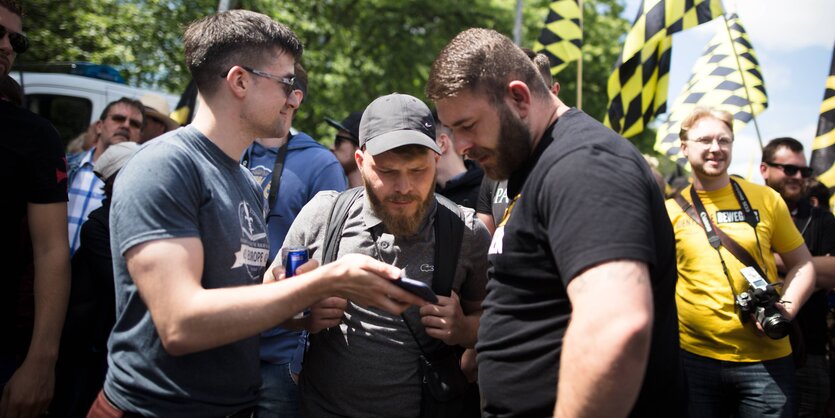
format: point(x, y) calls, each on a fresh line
point(19, 41)
point(791, 169)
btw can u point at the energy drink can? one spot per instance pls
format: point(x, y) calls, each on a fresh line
point(292, 258)
point(295, 257)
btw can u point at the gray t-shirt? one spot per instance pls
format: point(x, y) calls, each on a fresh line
point(182, 185)
point(368, 365)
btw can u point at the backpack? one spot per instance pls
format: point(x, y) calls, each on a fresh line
point(443, 384)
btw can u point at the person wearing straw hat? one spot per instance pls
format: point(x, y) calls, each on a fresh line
point(157, 121)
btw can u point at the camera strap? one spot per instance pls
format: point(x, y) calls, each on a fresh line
point(716, 237)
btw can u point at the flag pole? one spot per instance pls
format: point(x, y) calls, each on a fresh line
point(517, 24)
point(744, 84)
point(580, 63)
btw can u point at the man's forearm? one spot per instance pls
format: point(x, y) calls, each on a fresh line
point(798, 286)
point(824, 271)
point(52, 289)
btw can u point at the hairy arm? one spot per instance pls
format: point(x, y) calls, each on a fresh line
point(606, 345)
point(799, 282)
point(30, 389)
point(189, 318)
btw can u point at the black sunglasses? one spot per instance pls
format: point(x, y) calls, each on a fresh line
point(791, 169)
point(19, 41)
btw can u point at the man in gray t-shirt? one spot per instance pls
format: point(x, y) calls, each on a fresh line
point(189, 239)
point(363, 362)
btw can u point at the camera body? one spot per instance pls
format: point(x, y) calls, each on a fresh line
point(759, 301)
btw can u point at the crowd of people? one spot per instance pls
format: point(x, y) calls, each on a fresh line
point(149, 274)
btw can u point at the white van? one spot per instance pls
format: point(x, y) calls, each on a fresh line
point(72, 102)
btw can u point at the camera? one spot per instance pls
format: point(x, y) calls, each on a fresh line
point(759, 301)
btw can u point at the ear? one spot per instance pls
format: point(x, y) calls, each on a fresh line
point(238, 81)
point(764, 171)
point(556, 88)
point(359, 157)
point(520, 97)
point(99, 125)
point(443, 143)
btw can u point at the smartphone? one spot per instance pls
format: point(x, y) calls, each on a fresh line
point(418, 288)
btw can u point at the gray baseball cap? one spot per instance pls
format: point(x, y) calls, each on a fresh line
point(396, 120)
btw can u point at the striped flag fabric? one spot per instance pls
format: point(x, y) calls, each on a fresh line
point(184, 112)
point(727, 76)
point(823, 147)
point(561, 38)
point(637, 88)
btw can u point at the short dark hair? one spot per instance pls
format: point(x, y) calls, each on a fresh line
point(771, 148)
point(126, 101)
point(542, 63)
point(215, 43)
point(819, 191)
point(300, 80)
point(482, 61)
point(13, 6)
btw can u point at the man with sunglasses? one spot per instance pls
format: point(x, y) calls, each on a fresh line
point(122, 120)
point(784, 169)
point(190, 242)
point(345, 144)
point(33, 229)
point(727, 231)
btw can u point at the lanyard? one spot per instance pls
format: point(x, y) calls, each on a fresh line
point(275, 181)
point(710, 228)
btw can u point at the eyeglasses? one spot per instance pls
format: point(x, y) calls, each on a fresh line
point(120, 119)
point(19, 41)
point(791, 169)
point(723, 142)
point(289, 83)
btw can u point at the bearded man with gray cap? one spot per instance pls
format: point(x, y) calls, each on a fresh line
point(391, 219)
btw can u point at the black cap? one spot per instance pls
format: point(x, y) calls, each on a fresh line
point(396, 120)
point(351, 124)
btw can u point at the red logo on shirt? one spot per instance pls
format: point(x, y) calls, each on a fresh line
point(61, 173)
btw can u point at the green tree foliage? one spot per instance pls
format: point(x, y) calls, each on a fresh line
point(355, 50)
point(140, 38)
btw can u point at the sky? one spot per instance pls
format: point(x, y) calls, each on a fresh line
point(793, 41)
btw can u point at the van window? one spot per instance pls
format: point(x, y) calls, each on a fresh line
point(70, 115)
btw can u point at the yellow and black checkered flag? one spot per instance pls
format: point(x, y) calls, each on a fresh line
point(726, 77)
point(638, 85)
point(823, 147)
point(184, 112)
point(562, 38)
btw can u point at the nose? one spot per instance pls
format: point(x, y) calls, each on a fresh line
point(714, 146)
point(6, 43)
point(402, 184)
point(294, 99)
point(462, 143)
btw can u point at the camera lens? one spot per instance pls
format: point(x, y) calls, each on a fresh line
point(775, 326)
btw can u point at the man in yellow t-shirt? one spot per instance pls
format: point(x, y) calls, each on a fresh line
point(732, 367)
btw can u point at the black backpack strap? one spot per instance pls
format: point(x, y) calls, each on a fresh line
point(449, 233)
point(336, 221)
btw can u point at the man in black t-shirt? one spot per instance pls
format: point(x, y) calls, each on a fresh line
point(34, 287)
point(580, 316)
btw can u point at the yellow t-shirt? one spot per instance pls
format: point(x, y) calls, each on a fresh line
point(708, 323)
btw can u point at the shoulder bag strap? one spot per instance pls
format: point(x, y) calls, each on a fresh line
point(336, 221)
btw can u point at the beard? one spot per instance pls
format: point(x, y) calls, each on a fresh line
point(789, 195)
point(513, 148)
point(399, 223)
